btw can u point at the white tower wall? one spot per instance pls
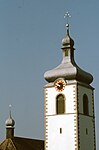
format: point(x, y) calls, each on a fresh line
point(61, 129)
point(86, 124)
point(72, 130)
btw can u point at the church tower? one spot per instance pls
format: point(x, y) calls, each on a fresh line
point(69, 104)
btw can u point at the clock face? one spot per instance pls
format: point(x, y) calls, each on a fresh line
point(60, 85)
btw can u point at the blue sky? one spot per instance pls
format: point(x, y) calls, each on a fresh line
point(30, 43)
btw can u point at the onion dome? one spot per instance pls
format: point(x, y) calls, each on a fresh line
point(68, 69)
point(9, 122)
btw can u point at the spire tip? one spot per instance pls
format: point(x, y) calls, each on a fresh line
point(67, 16)
point(10, 106)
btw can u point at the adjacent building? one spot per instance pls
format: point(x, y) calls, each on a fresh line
point(18, 143)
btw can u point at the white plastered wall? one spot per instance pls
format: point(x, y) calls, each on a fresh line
point(86, 123)
point(89, 92)
point(86, 140)
point(50, 99)
point(65, 139)
point(67, 122)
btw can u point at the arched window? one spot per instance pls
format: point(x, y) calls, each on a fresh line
point(85, 105)
point(60, 104)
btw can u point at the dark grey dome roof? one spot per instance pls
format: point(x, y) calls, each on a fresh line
point(68, 71)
